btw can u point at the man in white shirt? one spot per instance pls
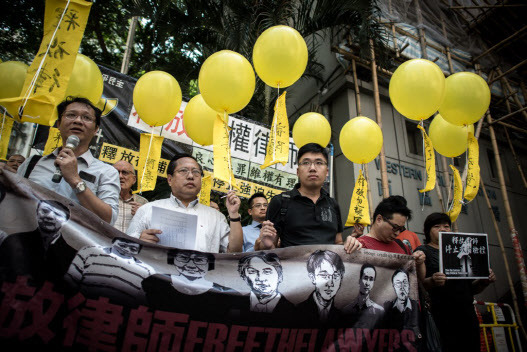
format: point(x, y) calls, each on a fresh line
point(213, 234)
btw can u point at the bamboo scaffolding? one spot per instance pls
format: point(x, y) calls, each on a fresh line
point(484, 7)
point(505, 261)
point(378, 116)
point(392, 25)
point(494, 47)
point(524, 91)
point(512, 69)
point(360, 61)
point(512, 127)
point(510, 114)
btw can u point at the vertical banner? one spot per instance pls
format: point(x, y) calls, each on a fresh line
point(206, 187)
point(222, 153)
point(457, 201)
point(430, 161)
point(6, 125)
point(48, 76)
point(278, 146)
point(149, 155)
point(473, 175)
point(359, 212)
point(54, 141)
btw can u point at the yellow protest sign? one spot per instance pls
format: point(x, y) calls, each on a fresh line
point(6, 125)
point(222, 153)
point(473, 171)
point(359, 212)
point(278, 146)
point(149, 155)
point(54, 141)
point(206, 187)
point(47, 77)
point(457, 201)
point(430, 162)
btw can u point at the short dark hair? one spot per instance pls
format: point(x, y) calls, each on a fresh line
point(71, 99)
point(256, 195)
point(315, 260)
point(312, 148)
point(57, 205)
point(366, 266)
point(391, 205)
point(268, 258)
point(173, 162)
point(432, 220)
point(400, 271)
point(171, 254)
point(127, 241)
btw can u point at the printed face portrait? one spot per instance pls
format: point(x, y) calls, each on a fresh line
point(185, 182)
point(401, 286)
point(366, 281)
point(126, 248)
point(261, 277)
point(312, 170)
point(191, 265)
point(50, 218)
point(327, 280)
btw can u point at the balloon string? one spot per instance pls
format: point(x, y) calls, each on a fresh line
point(3, 120)
point(275, 127)
point(421, 123)
point(146, 160)
point(225, 124)
point(450, 202)
point(37, 73)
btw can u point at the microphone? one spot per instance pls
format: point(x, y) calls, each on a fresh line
point(71, 143)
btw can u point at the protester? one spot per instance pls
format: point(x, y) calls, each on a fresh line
point(389, 219)
point(306, 214)
point(85, 180)
point(257, 210)
point(213, 233)
point(14, 161)
point(410, 239)
point(128, 202)
point(452, 306)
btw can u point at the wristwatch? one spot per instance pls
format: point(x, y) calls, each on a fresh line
point(80, 187)
point(239, 218)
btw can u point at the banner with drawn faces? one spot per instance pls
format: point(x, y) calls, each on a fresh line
point(69, 279)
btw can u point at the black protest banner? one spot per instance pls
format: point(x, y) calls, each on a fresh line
point(464, 255)
point(70, 280)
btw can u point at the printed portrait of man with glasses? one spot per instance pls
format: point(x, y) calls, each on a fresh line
point(186, 290)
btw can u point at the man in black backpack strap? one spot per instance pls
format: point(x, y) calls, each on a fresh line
point(306, 214)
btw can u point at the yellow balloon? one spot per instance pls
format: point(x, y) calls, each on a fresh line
point(226, 81)
point(467, 98)
point(12, 76)
point(448, 139)
point(280, 56)
point(85, 80)
point(311, 127)
point(361, 140)
point(157, 98)
point(417, 89)
point(198, 120)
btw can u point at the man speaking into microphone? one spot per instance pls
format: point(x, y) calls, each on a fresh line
point(72, 171)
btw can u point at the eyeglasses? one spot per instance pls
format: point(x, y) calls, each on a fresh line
point(196, 259)
point(125, 173)
point(395, 228)
point(400, 284)
point(72, 116)
point(327, 277)
point(184, 172)
point(260, 205)
point(307, 163)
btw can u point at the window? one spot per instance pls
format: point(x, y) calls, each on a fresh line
point(415, 138)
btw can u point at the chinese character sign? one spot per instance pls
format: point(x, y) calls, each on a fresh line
point(222, 154)
point(464, 255)
point(457, 199)
point(278, 146)
point(359, 212)
point(473, 175)
point(149, 155)
point(6, 125)
point(54, 141)
point(430, 162)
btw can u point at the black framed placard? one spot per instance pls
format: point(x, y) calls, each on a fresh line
point(464, 255)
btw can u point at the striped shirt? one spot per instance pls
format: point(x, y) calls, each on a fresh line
point(125, 211)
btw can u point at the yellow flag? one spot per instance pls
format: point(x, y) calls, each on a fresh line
point(206, 187)
point(6, 125)
point(472, 186)
point(54, 141)
point(278, 145)
point(457, 202)
point(148, 161)
point(49, 87)
point(359, 209)
point(430, 161)
point(222, 153)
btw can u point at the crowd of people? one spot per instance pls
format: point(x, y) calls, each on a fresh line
point(305, 215)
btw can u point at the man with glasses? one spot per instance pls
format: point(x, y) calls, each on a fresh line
point(257, 210)
point(389, 219)
point(213, 235)
point(85, 179)
point(307, 214)
point(128, 202)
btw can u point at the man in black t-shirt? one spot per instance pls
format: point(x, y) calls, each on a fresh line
point(306, 214)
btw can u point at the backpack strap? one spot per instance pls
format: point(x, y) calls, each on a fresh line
point(31, 165)
point(403, 246)
point(286, 197)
